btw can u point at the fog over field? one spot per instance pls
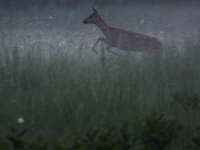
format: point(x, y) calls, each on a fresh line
point(54, 84)
point(168, 23)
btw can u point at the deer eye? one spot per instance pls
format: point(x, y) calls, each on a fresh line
point(90, 16)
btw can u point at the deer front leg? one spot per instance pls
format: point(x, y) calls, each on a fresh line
point(99, 39)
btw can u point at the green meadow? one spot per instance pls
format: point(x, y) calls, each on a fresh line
point(60, 90)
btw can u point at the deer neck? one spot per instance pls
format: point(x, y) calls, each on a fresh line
point(103, 27)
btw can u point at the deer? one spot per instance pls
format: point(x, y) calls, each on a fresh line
point(123, 39)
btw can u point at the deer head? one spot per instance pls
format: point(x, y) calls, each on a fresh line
point(93, 18)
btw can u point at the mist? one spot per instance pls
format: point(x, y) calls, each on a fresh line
point(53, 84)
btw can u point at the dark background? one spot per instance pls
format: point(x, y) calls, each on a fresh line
point(25, 4)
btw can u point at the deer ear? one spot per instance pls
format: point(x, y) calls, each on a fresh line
point(94, 10)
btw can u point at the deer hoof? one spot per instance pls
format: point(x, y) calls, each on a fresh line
point(94, 50)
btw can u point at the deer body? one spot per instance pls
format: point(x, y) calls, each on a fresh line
point(123, 39)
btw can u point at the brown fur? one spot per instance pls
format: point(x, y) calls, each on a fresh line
point(123, 39)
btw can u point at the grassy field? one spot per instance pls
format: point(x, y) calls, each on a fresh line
point(58, 91)
point(61, 90)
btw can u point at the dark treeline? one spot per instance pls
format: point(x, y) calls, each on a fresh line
point(22, 4)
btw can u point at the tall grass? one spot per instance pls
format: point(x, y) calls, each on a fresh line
point(59, 92)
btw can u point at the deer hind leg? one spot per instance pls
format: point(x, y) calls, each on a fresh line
point(99, 39)
point(108, 49)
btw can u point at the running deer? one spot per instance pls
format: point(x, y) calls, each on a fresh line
point(123, 39)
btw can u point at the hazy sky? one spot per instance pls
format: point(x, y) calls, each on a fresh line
point(20, 4)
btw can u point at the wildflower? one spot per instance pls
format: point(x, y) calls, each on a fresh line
point(20, 120)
